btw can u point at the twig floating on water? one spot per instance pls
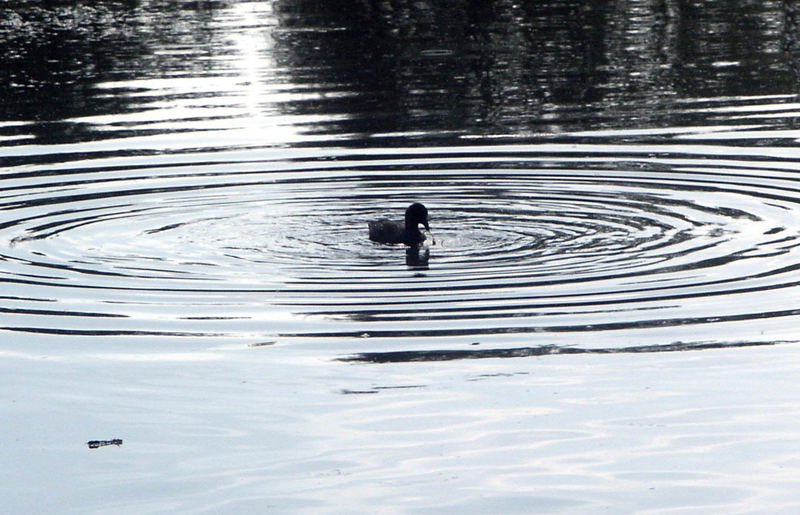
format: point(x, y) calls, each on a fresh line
point(94, 444)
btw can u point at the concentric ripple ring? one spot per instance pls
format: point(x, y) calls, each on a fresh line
point(530, 242)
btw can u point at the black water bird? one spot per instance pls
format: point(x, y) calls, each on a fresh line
point(387, 231)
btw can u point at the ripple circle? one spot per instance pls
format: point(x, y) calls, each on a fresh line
point(524, 244)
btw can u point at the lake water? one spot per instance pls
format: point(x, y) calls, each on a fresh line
point(604, 320)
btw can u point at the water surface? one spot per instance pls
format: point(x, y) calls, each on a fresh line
point(184, 194)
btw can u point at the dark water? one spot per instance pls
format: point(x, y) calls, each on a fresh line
point(185, 188)
point(351, 69)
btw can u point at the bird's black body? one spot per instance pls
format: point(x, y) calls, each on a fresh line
point(407, 231)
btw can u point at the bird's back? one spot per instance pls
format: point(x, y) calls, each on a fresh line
point(387, 231)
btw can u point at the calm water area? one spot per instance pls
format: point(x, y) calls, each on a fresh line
point(605, 319)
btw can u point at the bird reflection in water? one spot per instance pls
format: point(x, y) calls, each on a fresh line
point(417, 257)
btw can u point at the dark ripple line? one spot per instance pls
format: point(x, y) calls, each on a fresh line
point(482, 313)
point(543, 350)
point(107, 332)
point(50, 312)
point(135, 288)
point(611, 326)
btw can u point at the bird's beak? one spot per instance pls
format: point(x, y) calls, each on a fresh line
point(428, 228)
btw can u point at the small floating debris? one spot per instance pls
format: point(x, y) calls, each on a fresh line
point(377, 389)
point(346, 391)
point(261, 344)
point(94, 444)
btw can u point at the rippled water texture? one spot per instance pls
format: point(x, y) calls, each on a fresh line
point(530, 241)
point(187, 183)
